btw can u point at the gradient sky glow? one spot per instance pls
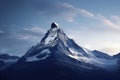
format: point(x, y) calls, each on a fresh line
point(94, 24)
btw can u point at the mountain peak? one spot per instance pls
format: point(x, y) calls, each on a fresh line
point(55, 25)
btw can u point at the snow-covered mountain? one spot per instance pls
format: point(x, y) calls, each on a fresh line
point(56, 43)
point(57, 57)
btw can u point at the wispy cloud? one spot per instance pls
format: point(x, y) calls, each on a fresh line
point(113, 22)
point(63, 10)
point(33, 33)
point(35, 29)
point(66, 11)
point(71, 12)
point(116, 18)
point(110, 24)
point(28, 37)
point(86, 13)
point(111, 48)
point(23, 37)
point(1, 31)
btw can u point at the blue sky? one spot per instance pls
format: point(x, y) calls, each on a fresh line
point(92, 24)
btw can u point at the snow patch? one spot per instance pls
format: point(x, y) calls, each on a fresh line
point(107, 64)
point(45, 51)
point(35, 58)
point(74, 52)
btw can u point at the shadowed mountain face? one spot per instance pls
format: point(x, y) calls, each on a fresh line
point(6, 57)
point(58, 57)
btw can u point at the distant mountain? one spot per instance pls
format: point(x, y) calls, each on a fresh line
point(100, 54)
point(6, 57)
point(57, 57)
point(117, 56)
point(6, 60)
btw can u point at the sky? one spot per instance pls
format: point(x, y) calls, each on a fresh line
point(93, 24)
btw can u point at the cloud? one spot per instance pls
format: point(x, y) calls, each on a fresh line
point(116, 18)
point(86, 13)
point(42, 8)
point(23, 37)
point(1, 31)
point(111, 48)
point(17, 43)
point(35, 30)
point(113, 22)
point(32, 33)
point(70, 11)
point(110, 24)
point(28, 37)
point(62, 10)
point(17, 39)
